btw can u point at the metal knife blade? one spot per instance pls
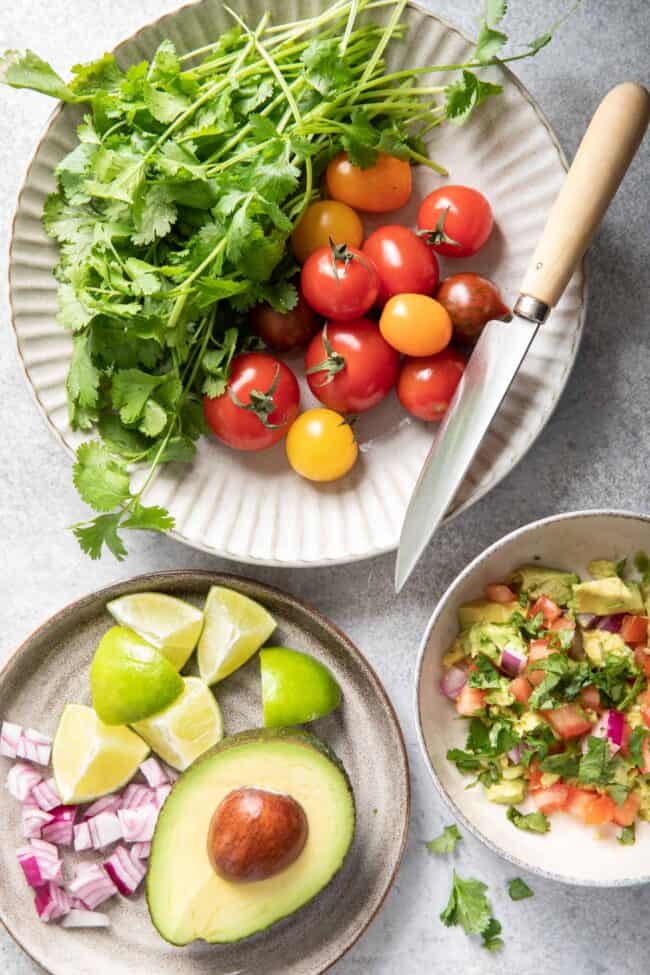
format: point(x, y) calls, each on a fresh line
point(488, 375)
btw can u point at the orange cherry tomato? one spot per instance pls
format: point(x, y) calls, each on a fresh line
point(324, 221)
point(415, 325)
point(382, 187)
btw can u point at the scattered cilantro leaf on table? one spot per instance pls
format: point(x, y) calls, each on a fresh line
point(446, 842)
point(469, 907)
point(519, 889)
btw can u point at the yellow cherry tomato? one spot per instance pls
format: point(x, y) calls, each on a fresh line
point(382, 187)
point(416, 324)
point(321, 445)
point(322, 221)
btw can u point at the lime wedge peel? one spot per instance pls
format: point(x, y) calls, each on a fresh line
point(171, 625)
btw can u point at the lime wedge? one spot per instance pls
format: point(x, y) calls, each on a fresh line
point(296, 688)
point(91, 759)
point(235, 627)
point(185, 730)
point(169, 624)
point(130, 679)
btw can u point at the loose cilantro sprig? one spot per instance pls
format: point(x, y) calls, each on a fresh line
point(519, 889)
point(173, 212)
point(446, 842)
point(469, 907)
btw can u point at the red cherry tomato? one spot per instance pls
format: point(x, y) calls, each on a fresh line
point(350, 366)
point(471, 301)
point(284, 331)
point(259, 405)
point(426, 384)
point(458, 218)
point(340, 282)
point(405, 263)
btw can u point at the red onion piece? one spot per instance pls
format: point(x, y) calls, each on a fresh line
point(51, 903)
point(126, 872)
point(135, 796)
point(452, 683)
point(34, 747)
point(10, 735)
point(34, 819)
point(46, 795)
point(161, 794)
point(40, 862)
point(22, 779)
point(79, 917)
point(82, 838)
point(138, 824)
point(615, 727)
point(513, 661)
point(611, 624)
point(141, 851)
point(92, 885)
point(104, 829)
point(154, 772)
point(60, 830)
point(515, 754)
point(105, 804)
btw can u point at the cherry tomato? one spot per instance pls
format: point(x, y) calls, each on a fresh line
point(471, 301)
point(404, 262)
point(350, 367)
point(340, 282)
point(258, 406)
point(458, 218)
point(321, 445)
point(284, 331)
point(415, 325)
point(426, 384)
point(324, 221)
point(379, 188)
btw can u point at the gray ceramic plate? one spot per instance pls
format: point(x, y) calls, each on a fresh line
point(51, 668)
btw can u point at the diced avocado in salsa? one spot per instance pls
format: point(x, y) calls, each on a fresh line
point(602, 569)
point(484, 611)
point(508, 792)
point(603, 597)
point(537, 580)
point(491, 639)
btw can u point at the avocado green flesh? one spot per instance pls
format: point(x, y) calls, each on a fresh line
point(186, 898)
point(537, 580)
point(602, 597)
point(484, 611)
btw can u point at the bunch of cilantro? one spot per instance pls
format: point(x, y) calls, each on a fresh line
point(173, 213)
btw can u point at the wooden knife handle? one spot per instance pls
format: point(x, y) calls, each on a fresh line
point(607, 149)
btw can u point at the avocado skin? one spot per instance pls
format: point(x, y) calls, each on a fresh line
point(252, 735)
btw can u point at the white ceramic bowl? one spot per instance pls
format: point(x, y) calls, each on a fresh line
point(569, 852)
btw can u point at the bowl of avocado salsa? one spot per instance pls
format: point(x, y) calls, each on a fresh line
point(533, 697)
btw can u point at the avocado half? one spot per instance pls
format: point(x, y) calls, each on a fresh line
point(187, 900)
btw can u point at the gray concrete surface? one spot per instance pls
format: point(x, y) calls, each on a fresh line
point(593, 453)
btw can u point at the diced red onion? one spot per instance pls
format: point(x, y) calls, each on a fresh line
point(586, 620)
point(138, 824)
point(612, 624)
point(610, 725)
point(40, 862)
point(60, 830)
point(10, 735)
point(92, 885)
point(171, 773)
point(135, 796)
point(51, 902)
point(82, 837)
point(81, 918)
point(513, 661)
point(141, 851)
point(34, 747)
point(105, 804)
point(33, 819)
point(515, 754)
point(161, 794)
point(105, 829)
point(452, 683)
point(126, 872)
point(22, 779)
point(46, 795)
point(153, 772)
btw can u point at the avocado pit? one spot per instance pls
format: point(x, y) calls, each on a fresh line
point(254, 834)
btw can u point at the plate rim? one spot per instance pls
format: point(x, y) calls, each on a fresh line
point(379, 550)
point(454, 808)
point(150, 580)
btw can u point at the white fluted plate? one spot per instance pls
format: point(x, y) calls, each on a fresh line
point(252, 507)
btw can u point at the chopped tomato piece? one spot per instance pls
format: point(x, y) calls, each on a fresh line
point(470, 701)
point(627, 734)
point(562, 623)
point(552, 799)
point(590, 698)
point(634, 630)
point(599, 811)
point(538, 650)
point(578, 801)
point(642, 659)
point(567, 721)
point(549, 610)
point(499, 593)
point(644, 701)
point(534, 775)
point(626, 814)
point(521, 689)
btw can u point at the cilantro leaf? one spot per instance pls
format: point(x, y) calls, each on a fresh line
point(486, 675)
point(468, 906)
point(627, 836)
point(446, 842)
point(491, 939)
point(565, 765)
point(596, 766)
point(27, 70)
point(101, 480)
point(642, 566)
point(637, 741)
point(149, 518)
point(82, 382)
point(495, 11)
point(519, 889)
point(131, 390)
point(490, 42)
point(462, 97)
point(535, 822)
point(93, 535)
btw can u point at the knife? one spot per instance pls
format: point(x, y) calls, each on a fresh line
point(607, 149)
